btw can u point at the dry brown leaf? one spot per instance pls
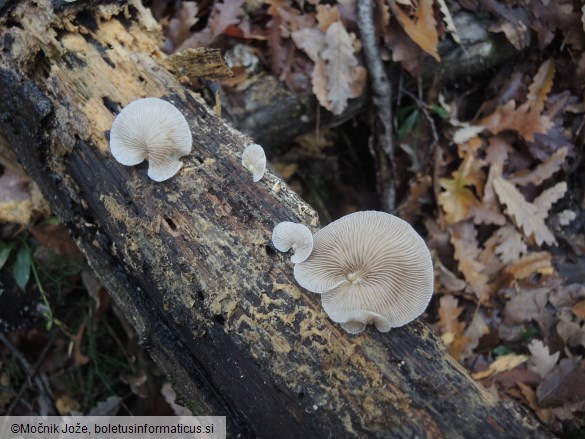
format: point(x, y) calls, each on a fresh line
point(524, 267)
point(516, 33)
point(227, 14)
point(319, 82)
point(526, 305)
point(77, 340)
point(65, 404)
point(544, 414)
point(180, 25)
point(466, 132)
point(526, 215)
point(571, 332)
point(482, 214)
point(451, 328)
point(457, 198)
point(476, 329)
point(340, 59)
point(579, 309)
point(543, 171)
point(311, 40)
point(57, 238)
point(521, 120)
point(510, 244)
point(422, 30)
point(550, 196)
point(541, 360)
point(541, 85)
point(463, 239)
point(489, 259)
point(501, 364)
point(566, 383)
point(326, 16)
point(419, 189)
point(449, 22)
point(404, 50)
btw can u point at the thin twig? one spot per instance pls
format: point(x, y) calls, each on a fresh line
point(382, 96)
point(31, 371)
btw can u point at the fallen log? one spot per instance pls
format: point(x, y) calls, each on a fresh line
point(189, 260)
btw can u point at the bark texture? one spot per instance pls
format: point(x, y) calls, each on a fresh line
point(190, 261)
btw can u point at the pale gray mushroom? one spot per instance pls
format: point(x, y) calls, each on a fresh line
point(254, 160)
point(288, 235)
point(151, 129)
point(369, 267)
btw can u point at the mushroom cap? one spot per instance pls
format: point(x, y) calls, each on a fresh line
point(370, 267)
point(254, 160)
point(151, 129)
point(287, 235)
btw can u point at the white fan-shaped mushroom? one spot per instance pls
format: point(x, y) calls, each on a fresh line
point(254, 160)
point(151, 129)
point(288, 235)
point(369, 267)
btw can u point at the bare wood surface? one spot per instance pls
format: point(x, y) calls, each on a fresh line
point(189, 260)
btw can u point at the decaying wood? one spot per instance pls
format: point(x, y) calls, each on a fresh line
point(189, 260)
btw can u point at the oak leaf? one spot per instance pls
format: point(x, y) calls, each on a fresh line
point(550, 196)
point(541, 85)
point(327, 15)
point(541, 360)
point(543, 171)
point(423, 29)
point(501, 364)
point(526, 215)
point(449, 22)
point(566, 382)
point(227, 14)
point(476, 329)
point(510, 244)
point(311, 40)
point(457, 197)
point(451, 328)
point(340, 60)
point(524, 267)
point(463, 239)
point(522, 120)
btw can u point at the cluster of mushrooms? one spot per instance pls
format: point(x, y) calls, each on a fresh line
point(155, 130)
point(368, 267)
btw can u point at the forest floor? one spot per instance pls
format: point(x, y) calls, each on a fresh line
point(488, 168)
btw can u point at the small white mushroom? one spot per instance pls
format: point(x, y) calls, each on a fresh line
point(369, 267)
point(151, 129)
point(254, 160)
point(288, 235)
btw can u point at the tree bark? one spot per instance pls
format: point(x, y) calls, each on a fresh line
point(190, 260)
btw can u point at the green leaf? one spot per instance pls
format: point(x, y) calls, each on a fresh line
point(404, 111)
point(22, 266)
point(440, 111)
point(529, 333)
point(5, 250)
point(501, 350)
point(407, 125)
point(52, 220)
